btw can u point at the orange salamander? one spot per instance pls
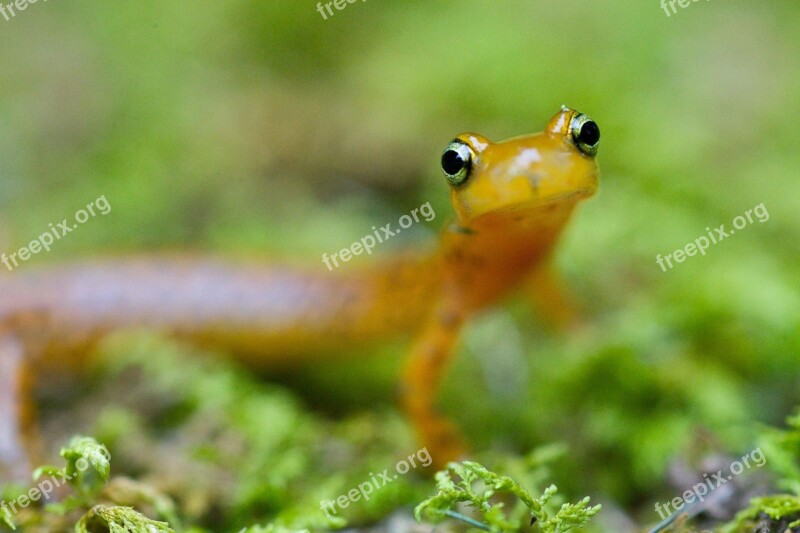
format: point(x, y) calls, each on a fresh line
point(511, 199)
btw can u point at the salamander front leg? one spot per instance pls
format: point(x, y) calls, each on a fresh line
point(424, 371)
point(17, 411)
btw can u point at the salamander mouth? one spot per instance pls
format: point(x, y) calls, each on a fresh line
point(539, 213)
point(550, 201)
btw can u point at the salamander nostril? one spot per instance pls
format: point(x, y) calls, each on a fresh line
point(535, 178)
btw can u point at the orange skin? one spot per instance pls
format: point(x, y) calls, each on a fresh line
point(517, 198)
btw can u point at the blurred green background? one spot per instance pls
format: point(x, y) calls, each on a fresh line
point(259, 128)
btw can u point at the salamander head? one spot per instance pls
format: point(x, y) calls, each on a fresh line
point(525, 173)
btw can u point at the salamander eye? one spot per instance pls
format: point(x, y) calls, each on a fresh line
point(585, 134)
point(457, 162)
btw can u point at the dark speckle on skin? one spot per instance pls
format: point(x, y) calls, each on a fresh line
point(450, 319)
point(461, 229)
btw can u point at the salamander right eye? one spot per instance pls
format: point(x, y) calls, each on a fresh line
point(457, 162)
point(585, 134)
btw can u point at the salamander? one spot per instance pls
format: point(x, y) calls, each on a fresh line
point(511, 199)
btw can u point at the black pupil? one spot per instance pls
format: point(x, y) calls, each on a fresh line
point(589, 134)
point(452, 162)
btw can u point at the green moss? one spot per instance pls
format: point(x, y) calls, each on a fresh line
point(481, 489)
point(778, 507)
point(119, 520)
point(782, 447)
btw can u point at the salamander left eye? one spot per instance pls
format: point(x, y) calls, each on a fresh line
point(585, 133)
point(457, 162)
